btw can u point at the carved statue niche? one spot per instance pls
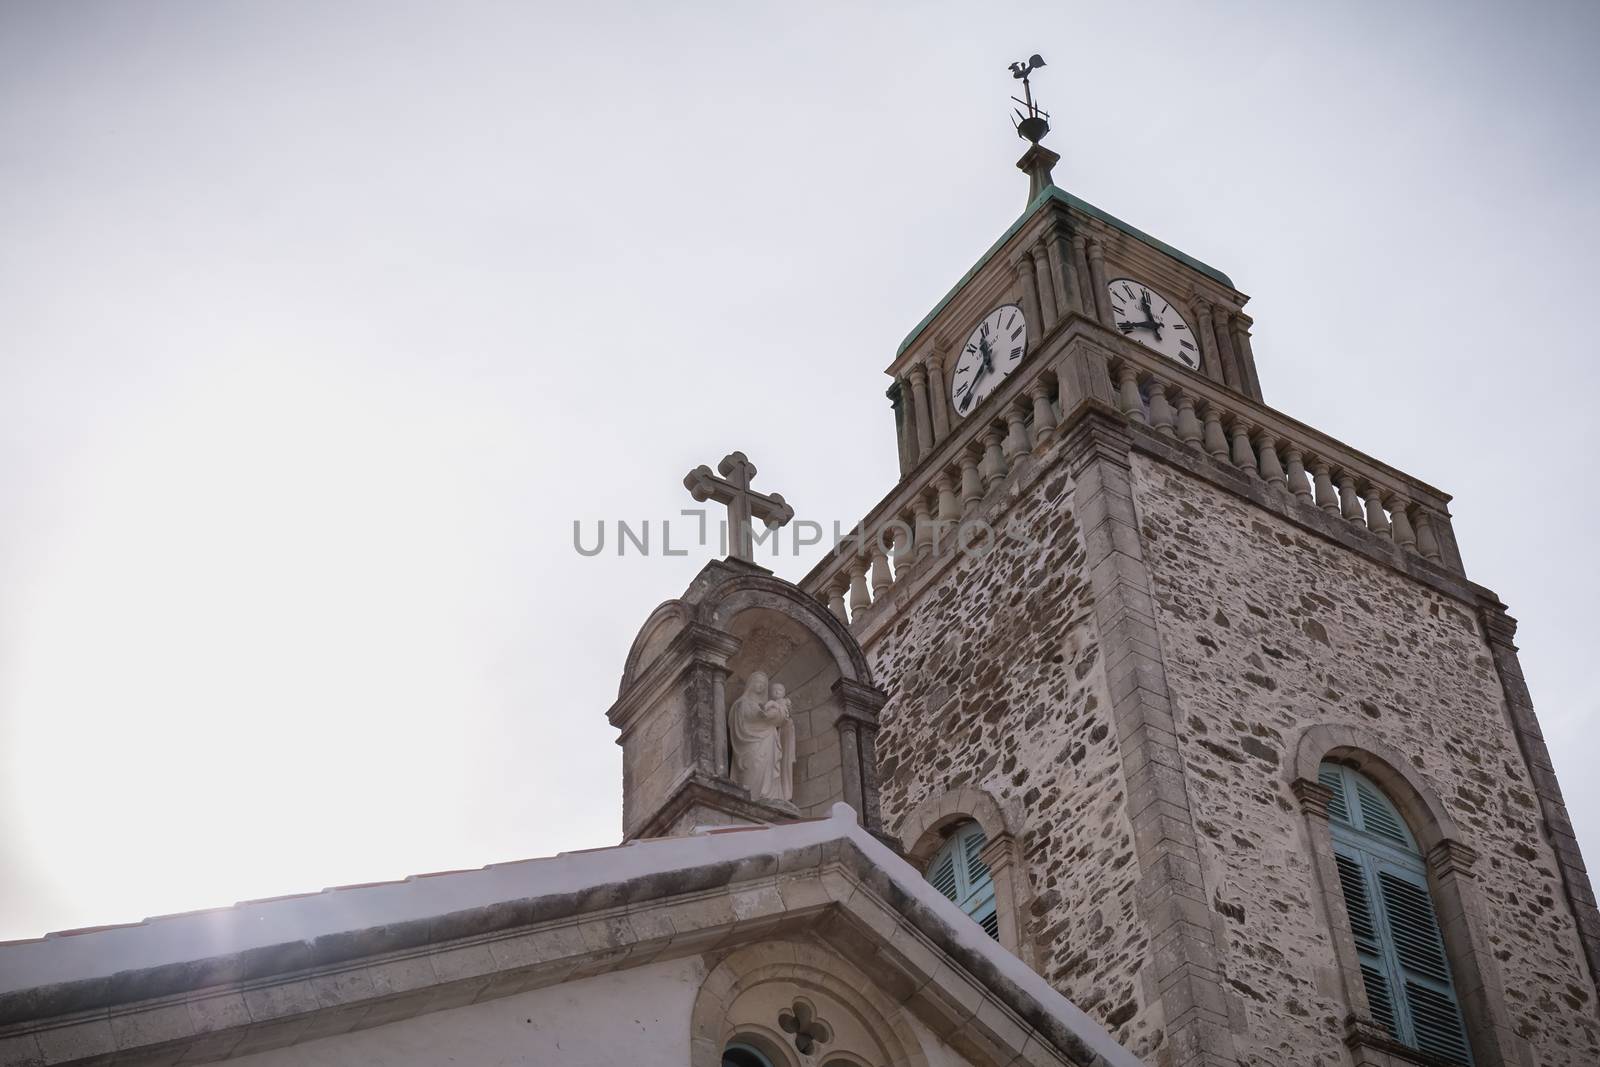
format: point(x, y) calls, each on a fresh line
point(744, 701)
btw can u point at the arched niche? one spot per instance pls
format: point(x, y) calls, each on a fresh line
point(791, 654)
point(688, 666)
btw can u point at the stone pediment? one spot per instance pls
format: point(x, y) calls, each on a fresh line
point(264, 975)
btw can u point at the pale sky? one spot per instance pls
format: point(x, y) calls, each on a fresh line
point(320, 323)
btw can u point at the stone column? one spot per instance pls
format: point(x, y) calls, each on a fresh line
point(1220, 328)
point(921, 413)
point(1069, 299)
point(850, 762)
point(1023, 265)
point(858, 727)
point(1211, 359)
point(902, 425)
point(1080, 266)
point(1040, 258)
point(1097, 278)
point(1245, 357)
point(938, 397)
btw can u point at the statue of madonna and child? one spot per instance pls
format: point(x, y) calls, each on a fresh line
point(761, 740)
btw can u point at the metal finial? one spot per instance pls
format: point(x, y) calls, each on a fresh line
point(1033, 123)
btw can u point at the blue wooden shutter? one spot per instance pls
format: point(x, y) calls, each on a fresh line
point(1385, 885)
point(958, 871)
point(1430, 998)
point(1369, 945)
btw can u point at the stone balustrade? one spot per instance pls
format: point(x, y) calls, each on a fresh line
point(927, 515)
point(1288, 457)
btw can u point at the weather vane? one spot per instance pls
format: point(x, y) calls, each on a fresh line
point(1035, 122)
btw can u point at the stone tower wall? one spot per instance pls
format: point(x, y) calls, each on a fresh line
point(996, 681)
point(1265, 630)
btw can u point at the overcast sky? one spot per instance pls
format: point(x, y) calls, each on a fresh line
point(320, 323)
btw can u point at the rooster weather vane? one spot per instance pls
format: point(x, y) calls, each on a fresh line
point(1033, 124)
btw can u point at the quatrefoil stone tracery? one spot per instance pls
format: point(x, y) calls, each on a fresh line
point(801, 1022)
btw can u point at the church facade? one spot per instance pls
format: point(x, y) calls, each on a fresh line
point(1140, 723)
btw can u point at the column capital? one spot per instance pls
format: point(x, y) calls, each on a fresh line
point(918, 373)
point(1450, 857)
point(1314, 797)
point(858, 702)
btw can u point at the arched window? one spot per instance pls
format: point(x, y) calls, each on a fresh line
point(957, 871)
point(1385, 885)
point(739, 1054)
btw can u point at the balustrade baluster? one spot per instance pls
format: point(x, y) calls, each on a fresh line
point(1271, 468)
point(1400, 523)
point(921, 526)
point(1189, 431)
point(904, 543)
point(1324, 496)
point(860, 598)
point(1215, 443)
point(949, 507)
point(971, 481)
point(882, 581)
point(836, 591)
point(1128, 393)
point(1377, 521)
point(1244, 457)
point(993, 468)
point(1044, 416)
point(1016, 443)
point(1297, 474)
point(1349, 500)
point(1160, 410)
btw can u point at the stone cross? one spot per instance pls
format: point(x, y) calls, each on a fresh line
point(733, 489)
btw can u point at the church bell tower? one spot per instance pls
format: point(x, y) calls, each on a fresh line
point(1246, 757)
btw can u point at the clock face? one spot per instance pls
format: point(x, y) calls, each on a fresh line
point(993, 351)
point(1149, 318)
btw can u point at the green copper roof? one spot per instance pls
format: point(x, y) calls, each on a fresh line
point(1049, 193)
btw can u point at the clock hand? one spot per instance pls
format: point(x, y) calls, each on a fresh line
point(1150, 322)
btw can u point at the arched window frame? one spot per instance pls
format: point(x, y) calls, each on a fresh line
point(924, 830)
point(1457, 902)
point(1394, 920)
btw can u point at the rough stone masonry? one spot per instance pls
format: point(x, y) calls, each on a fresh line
point(997, 671)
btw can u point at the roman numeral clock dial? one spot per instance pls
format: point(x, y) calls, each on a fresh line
point(993, 350)
point(1149, 318)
